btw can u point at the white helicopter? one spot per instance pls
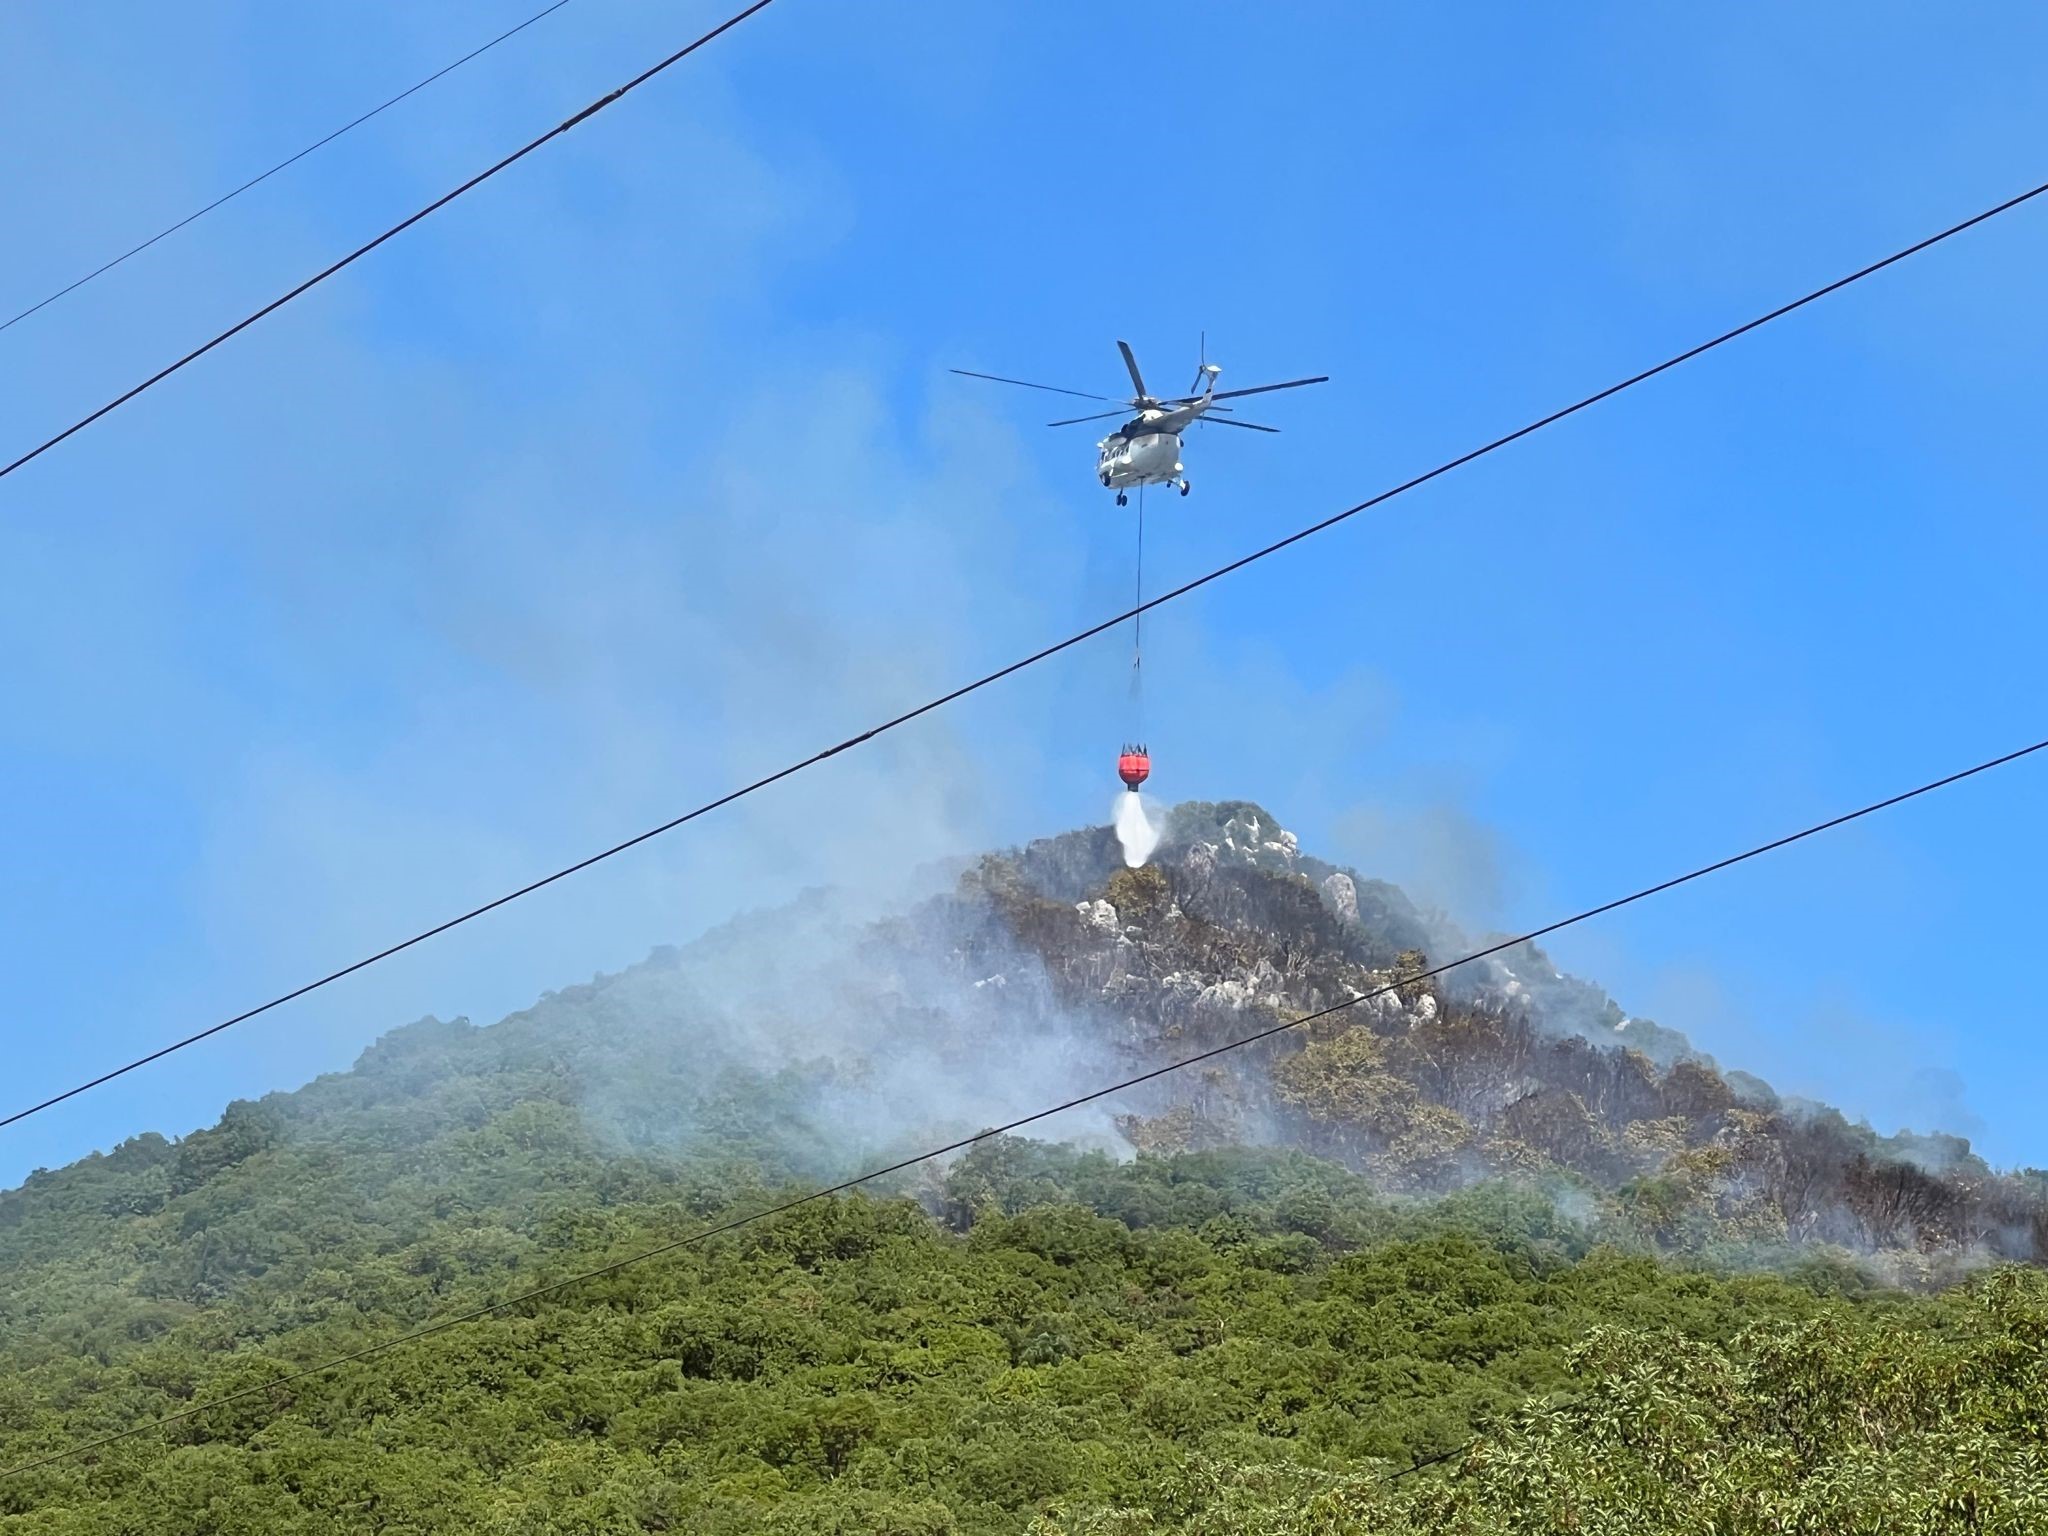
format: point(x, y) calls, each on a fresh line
point(1146, 449)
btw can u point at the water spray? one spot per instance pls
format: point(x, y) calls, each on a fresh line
point(1138, 829)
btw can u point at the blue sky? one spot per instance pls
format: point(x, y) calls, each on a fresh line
point(638, 473)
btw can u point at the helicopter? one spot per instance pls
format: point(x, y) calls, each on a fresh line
point(1146, 449)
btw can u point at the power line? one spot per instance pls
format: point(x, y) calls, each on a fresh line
point(1014, 667)
point(404, 224)
point(225, 197)
point(1499, 947)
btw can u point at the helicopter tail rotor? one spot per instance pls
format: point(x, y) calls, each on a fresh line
point(1205, 371)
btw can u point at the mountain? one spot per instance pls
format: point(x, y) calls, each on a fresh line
point(1488, 1202)
point(1505, 1068)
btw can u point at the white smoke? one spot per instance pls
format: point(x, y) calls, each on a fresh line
point(846, 1042)
point(1138, 828)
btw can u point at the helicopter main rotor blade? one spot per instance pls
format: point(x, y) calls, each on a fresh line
point(1261, 389)
point(1099, 416)
point(1249, 426)
point(1026, 383)
point(1131, 363)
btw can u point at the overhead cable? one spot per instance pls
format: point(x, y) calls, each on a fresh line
point(554, 1287)
point(227, 197)
point(1019, 665)
point(361, 251)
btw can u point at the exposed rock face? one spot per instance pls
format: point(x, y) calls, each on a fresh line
point(1100, 916)
point(1503, 1067)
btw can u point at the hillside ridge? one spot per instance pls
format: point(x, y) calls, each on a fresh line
point(820, 1037)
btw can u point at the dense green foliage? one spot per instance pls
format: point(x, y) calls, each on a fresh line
point(1839, 1426)
point(1219, 1342)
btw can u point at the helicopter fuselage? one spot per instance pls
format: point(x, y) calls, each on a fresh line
point(1142, 458)
point(1146, 449)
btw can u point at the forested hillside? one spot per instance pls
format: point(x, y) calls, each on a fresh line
point(1242, 1300)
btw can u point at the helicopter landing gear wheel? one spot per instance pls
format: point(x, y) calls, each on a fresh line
point(1185, 487)
point(1122, 500)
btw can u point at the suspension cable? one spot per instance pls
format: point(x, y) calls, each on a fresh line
point(1138, 626)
